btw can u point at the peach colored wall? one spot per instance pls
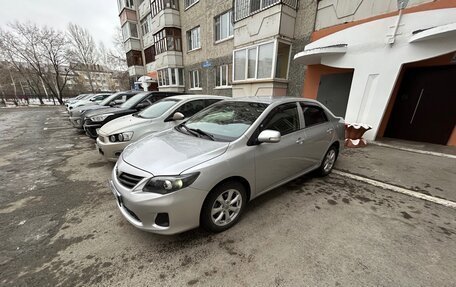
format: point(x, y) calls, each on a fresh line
point(452, 140)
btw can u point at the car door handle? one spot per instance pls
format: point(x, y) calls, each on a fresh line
point(299, 141)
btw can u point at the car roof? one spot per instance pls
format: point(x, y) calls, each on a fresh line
point(272, 100)
point(187, 97)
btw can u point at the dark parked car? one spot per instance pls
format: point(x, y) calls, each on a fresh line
point(94, 120)
point(77, 114)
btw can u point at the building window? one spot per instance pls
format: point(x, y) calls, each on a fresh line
point(134, 58)
point(265, 56)
point(146, 24)
point(158, 5)
point(257, 62)
point(125, 3)
point(239, 64)
point(223, 76)
point(149, 54)
point(193, 37)
point(129, 30)
point(167, 39)
point(283, 58)
point(188, 3)
point(170, 77)
point(195, 82)
point(224, 26)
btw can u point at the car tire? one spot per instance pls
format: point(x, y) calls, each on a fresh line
point(220, 204)
point(327, 164)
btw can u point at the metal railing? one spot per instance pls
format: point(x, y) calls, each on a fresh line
point(246, 8)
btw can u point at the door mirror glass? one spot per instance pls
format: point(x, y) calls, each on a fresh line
point(178, 116)
point(269, 136)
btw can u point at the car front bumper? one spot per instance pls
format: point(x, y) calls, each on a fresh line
point(142, 209)
point(109, 150)
point(77, 122)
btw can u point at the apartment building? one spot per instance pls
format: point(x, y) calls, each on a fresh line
point(389, 64)
point(222, 47)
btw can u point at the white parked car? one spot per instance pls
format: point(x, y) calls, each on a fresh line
point(114, 136)
point(93, 99)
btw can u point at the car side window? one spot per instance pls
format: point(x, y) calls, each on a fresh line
point(190, 108)
point(313, 115)
point(283, 118)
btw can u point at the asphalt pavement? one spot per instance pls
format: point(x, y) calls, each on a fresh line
point(60, 225)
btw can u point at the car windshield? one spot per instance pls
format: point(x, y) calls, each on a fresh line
point(226, 121)
point(158, 109)
point(134, 100)
point(86, 97)
point(109, 99)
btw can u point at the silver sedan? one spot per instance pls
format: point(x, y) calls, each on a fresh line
point(205, 170)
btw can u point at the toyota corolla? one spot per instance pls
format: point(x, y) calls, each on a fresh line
point(205, 170)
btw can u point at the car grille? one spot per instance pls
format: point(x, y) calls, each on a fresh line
point(129, 180)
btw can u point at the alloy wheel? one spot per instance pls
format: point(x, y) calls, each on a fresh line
point(226, 207)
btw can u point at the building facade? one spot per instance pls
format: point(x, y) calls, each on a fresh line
point(220, 47)
point(389, 64)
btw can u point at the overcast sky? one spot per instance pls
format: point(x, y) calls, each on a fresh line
point(99, 16)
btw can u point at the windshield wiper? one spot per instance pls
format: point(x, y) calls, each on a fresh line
point(201, 132)
point(197, 132)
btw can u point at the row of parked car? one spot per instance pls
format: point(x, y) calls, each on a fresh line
point(188, 160)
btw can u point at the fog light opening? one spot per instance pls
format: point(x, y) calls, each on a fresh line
point(162, 219)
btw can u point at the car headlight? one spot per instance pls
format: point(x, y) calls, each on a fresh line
point(122, 137)
point(167, 184)
point(100, 118)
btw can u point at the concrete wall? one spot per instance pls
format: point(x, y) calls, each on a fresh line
point(202, 14)
point(304, 26)
point(334, 12)
point(165, 18)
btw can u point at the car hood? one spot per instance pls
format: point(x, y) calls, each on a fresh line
point(171, 152)
point(104, 111)
point(121, 124)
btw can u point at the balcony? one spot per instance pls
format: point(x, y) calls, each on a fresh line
point(144, 9)
point(246, 8)
point(276, 20)
point(136, 71)
point(127, 15)
point(165, 18)
point(132, 44)
point(168, 59)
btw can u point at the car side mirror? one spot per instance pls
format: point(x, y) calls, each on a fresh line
point(269, 136)
point(178, 116)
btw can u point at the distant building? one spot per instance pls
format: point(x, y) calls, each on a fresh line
point(103, 79)
point(393, 70)
point(234, 48)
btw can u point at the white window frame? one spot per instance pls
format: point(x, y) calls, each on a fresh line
point(192, 35)
point(194, 80)
point(168, 71)
point(219, 70)
point(189, 3)
point(128, 31)
point(274, 62)
point(229, 23)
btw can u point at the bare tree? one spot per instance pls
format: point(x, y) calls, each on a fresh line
point(42, 49)
point(83, 49)
point(116, 55)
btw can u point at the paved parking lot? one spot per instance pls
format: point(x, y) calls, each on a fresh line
point(60, 225)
